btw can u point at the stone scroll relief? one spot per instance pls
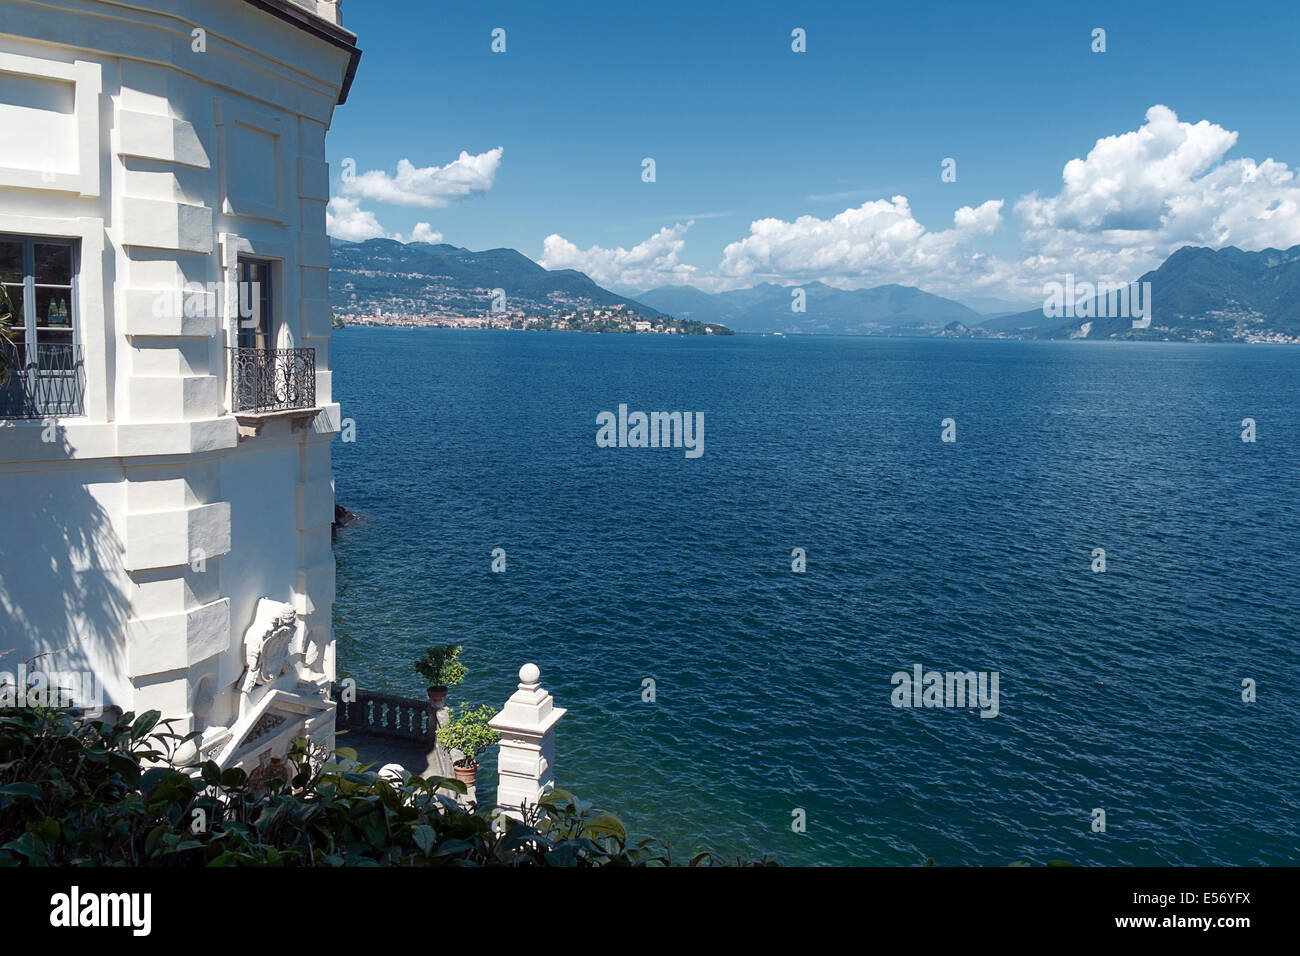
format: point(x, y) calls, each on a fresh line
point(268, 644)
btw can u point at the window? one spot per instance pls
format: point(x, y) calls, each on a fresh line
point(264, 378)
point(41, 343)
point(255, 319)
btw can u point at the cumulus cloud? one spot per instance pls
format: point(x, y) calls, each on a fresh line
point(422, 232)
point(1138, 196)
point(1122, 209)
point(650, 263)
point(429, 187)
point(875, 243)
point(878, 242)
point(345, 219)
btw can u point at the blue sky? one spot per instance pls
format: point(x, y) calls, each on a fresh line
point(742, 129)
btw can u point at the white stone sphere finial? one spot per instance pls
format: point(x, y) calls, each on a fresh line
point(529, 674)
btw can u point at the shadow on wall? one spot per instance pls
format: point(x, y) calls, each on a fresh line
point(62, 584)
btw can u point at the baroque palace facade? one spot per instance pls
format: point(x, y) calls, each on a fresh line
point(166, 409)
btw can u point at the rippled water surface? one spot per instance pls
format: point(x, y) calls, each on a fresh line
point(1119, 690)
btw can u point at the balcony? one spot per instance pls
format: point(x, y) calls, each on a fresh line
point(272, 380)
point(268, 384)
point(47, 381)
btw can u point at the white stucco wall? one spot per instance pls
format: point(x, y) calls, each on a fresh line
point(145, 532)
point(63, 579)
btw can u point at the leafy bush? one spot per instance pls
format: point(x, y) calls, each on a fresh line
point(441, 665)
point(468, 732)
point(7, 356)
point(107, 793)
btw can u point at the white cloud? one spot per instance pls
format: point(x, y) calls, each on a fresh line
point(1138, 196)
point(1122, 209)
point(430, 187)
point(433, 187)
point(653, 262)
point(422, 232)
point(875, 243)
point(345, 219)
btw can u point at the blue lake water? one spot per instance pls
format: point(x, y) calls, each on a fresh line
point(1119, 690)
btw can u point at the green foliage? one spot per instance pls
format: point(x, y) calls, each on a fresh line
point(468, 731)
point(6, 343)
point(441, 665)
point(107, 793)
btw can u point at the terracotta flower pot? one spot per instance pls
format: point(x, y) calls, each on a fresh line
point(437, 696)
point(467, 773)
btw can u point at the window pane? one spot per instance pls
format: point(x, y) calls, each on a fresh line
point(53, 263)
point(46, 338)
point(254, 314)
point(54, 308)
point(11, 261)
point(11, 304)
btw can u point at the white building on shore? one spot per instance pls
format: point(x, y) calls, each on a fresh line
point(165, 483)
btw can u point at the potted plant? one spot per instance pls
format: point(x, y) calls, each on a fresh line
point(468, 732)
point(441, 667)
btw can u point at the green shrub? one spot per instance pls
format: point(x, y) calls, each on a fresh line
point(107, 793)
point(6, 342)
point(440, 665)
point(468, 732)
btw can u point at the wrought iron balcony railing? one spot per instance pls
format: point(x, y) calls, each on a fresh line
point(45, 381)
point(272, 380)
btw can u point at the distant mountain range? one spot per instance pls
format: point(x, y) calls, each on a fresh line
point(421, 279)
point(769, 308)
point(1197, 294)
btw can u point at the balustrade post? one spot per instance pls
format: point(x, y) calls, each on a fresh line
point(438, 759)
point(526, 754)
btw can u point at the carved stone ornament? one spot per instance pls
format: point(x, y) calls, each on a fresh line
point(265, 724)
point(274, 656)
point(267, 647)
point(269, 768)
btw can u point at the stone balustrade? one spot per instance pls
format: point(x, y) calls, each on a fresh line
point(386, 715)
point(526, 753)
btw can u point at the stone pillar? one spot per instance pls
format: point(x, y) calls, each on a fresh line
point(438, 763)
point(526, 757)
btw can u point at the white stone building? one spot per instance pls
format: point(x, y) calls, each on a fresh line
point(166, 497)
